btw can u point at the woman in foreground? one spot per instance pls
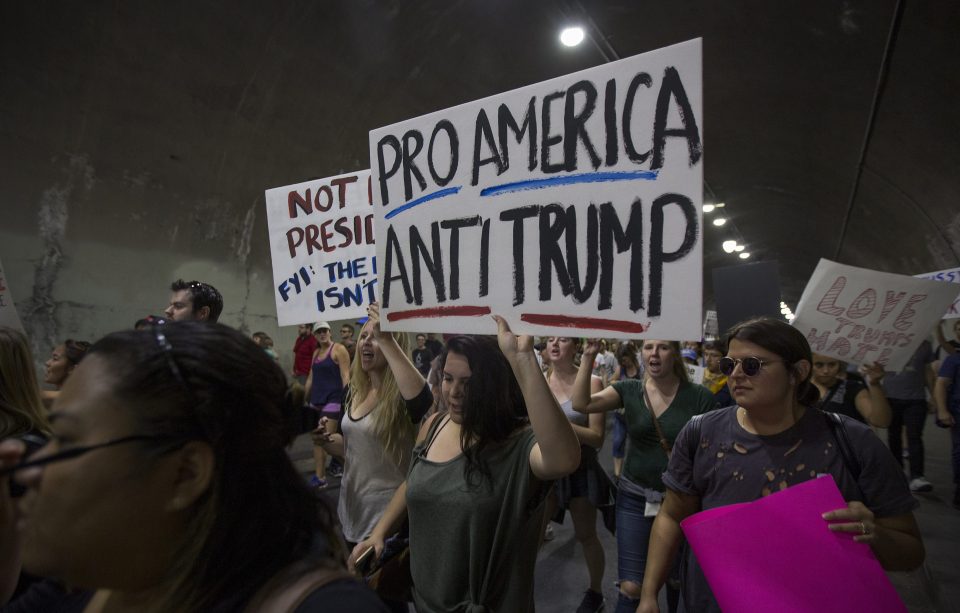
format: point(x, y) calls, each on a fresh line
point(475, 493)
point(168, 468)
point(774, 431)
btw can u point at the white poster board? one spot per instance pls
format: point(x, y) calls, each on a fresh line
point(861, 316)
point(951, 275)
point(711, 326)
point(570, 204)
point(321, 245)
point(694, 373)
point(8, 312)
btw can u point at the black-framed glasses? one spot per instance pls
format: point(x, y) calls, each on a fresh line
point(74, 452)
point(750, 365)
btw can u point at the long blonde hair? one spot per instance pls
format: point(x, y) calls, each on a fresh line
point(391, 424)
point(21, 409)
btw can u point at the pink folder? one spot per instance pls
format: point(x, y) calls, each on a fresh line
point(776, 554)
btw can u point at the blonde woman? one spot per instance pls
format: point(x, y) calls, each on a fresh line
point(21, 409)
point(387, 397)
point(587, 488)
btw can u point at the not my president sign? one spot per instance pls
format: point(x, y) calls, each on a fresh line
point(321, 246)
point(573, 203)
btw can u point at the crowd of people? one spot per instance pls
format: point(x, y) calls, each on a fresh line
point(154, 473)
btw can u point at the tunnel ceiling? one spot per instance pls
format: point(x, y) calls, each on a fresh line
point(814, 112)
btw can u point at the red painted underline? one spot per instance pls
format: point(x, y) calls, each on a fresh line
point(595, 323)
point(450, 311)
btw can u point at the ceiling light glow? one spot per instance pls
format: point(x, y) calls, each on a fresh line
point(719, 221)
point(744, 255)
point(571, 37)
point(719, 205)
point(738, 248)
point(708, 208)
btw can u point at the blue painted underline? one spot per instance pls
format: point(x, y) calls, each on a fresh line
point(590, 177)
point(440, 194)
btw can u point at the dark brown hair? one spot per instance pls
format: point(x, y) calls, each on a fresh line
point(780, 338)
point(208, 382)
point(493, 408)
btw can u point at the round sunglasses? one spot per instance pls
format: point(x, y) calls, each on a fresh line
point(750, 366)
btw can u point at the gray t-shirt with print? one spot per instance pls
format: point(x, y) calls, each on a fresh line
point(728, 465)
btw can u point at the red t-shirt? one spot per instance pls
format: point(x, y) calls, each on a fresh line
point(303, 350)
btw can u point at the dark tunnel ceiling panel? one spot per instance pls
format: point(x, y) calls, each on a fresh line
point(221, 100)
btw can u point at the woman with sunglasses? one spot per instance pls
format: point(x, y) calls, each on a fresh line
point(475, 494)
point(771, 439)
point(655, 409)
point(167, 486)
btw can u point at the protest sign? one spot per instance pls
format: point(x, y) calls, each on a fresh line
point(694, 373)
point(733, 546)
point(711, 326)
point(321, 245)
point(746, 291)
point(8, 312)
point(862, 316)
point(951, 275)
point(573, 203)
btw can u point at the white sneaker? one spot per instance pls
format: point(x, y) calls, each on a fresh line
point(920, 484)
point(548, 533)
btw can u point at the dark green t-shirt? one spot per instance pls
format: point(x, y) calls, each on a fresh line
point(475, 549)
point(646, 459)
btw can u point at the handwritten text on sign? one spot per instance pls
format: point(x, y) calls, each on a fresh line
point(951, 275)
point(574, 203)
point(8, 312)
point(321, 244)
point(861, 316)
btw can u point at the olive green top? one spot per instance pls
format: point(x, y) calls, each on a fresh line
point(473, 550)
point(646, 459)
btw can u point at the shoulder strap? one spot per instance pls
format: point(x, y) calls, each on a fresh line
point(829, 397)
point(839, 431)
point(286, 595)
point(695, 424)
point(438, 422)
point(667, 447)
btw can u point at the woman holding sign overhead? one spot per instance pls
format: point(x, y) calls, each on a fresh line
point(475, 494)
point(771, 439)
point(656, 408)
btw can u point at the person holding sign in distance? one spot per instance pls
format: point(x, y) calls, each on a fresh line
point(773, 438)
point(656, 408)
point(476, 492)
point(849, 397)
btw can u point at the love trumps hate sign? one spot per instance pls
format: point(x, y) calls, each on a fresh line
point(321, 245)
point(571, 204)
point(863, 316)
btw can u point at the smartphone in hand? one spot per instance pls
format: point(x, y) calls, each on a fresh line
point(364, 563)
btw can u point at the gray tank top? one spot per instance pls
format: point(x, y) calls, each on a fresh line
point(575, 417)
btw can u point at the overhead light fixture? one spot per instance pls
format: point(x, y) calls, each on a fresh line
point(719, 205)
point(738, 248)
point(729, 246)
point(708, 208)
point(571, 37)
point(744, 255)
point(719, 221)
